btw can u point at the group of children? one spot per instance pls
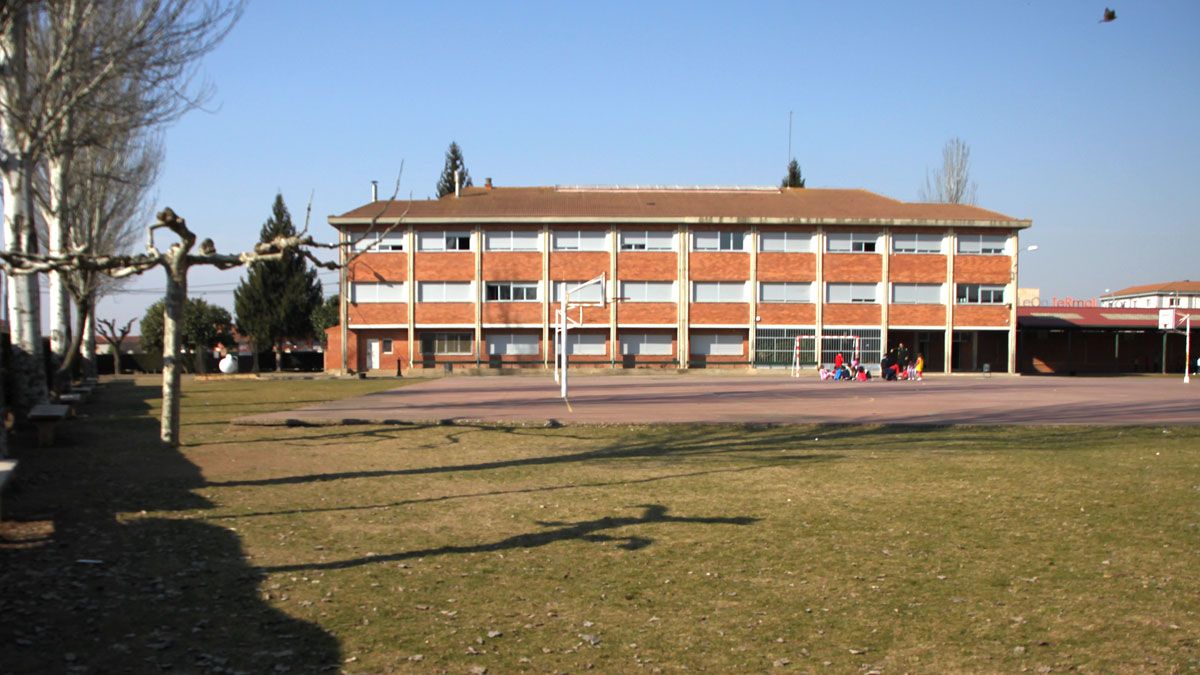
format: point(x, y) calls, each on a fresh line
point(897, 364)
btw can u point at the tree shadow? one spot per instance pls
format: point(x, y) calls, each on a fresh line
point(594, 531)
point(96, 577)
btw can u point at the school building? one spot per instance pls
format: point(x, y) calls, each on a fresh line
point(696, 277)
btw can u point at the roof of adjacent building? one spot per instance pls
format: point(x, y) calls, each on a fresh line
point(1090, 317)
point(675, 204)
point(1186, 287)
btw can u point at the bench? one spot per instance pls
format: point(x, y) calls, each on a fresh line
point(45, 416)
point(7, 467)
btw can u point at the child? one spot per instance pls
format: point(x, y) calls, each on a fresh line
point(920, 367)
point(824, 373)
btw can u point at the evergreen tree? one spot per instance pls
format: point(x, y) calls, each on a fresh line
point(454, 160)
point(204, 327)
point(276, 299)
point(793, 178)
point(325, 316)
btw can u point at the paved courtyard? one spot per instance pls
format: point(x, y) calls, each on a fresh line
point(764, 399)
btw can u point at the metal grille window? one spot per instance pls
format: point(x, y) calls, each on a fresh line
point(718, 291)
point(917, 294)
point(378, 292)
point(441, 240)
point(512, 344)
point(851, 242)
point(647, 240)
point(861, 343)
point(378, 242)
point(785, 291)
point(444, 291)
point(716, 344)
point(579, 240)
point(387, 346)
point(589, 293)
point(646, 344)
point(451, 344)
point(982, 244)
point(979, 294)
point(916, 243)
point(847, 292)
point(773, 347)
point(718, 241)
point(648, 291)
point(789, 242)
point(511, 291)
point(512, 240)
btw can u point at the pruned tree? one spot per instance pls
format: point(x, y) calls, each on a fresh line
point(454, 164)
point(793, 179)
point(116, 338)
point(952, 183)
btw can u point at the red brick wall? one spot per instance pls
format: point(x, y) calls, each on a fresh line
point(512, 266)
point(512, 312)
point(577, 265)
point(787, 266)
point(971, 315)
point(647, 312)
point(852, 315)
point(445, 312)
point(787, 314)
point(333, 348)
point(378, 312)
point(917, 315)
point(982, 269)
point(719, 312)
point(647, 265)
point(395, 362)
point(917, 268)
point(719, 266)
point(379, 267)
point(448, 266)
point(866, 267)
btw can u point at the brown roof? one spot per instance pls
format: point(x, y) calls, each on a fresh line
point(810, 205)
point(1164, 287)
point(1089, 317)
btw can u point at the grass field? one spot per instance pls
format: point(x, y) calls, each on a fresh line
point(720, 548)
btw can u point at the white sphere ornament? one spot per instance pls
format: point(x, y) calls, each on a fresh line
point(228, 365)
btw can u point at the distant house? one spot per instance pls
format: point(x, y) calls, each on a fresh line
point(1178, 294)
point(130, 345)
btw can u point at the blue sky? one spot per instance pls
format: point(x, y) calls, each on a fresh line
point(1091, 130)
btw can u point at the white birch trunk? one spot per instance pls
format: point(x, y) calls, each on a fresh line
point(172, 327)
point(56, 226)
point(89, 339)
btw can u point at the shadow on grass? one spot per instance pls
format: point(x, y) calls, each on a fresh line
point(94, 580)
point(595, 531)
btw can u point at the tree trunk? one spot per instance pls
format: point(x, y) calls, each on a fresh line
point(116, 352)
point(56, 227)
point(254, 357)
point(172, 327)
point(88, 350)
point(279, 357)
point(62, 376)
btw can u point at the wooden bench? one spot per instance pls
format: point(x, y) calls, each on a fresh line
point(7, 467)
point(45, 416)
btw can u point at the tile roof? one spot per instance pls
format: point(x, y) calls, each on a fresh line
point(1154, 289)
point(1089, 317)
point(810, 205)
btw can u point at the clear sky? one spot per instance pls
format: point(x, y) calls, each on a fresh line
point(1091, 130)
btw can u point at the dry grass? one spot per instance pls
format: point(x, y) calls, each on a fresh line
point(707, 548)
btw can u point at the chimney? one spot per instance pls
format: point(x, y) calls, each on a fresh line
point(457, 188)
point(487, 183)
point(374, 191)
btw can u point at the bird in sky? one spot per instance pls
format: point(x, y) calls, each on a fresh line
point(1109, 15)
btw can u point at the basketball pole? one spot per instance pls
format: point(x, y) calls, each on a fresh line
point(1187, 350)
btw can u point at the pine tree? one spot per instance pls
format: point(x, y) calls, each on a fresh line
point(276, 299)
point(793, 178)
point(454, 160)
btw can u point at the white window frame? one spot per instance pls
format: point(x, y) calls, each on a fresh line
point(589, 293)
point(369, 292)
point(726, 291)
point(387, 345)
point(584, 343)
point(441, 339)
point(732, 241)
point(973, 244)
point(921, 243)
point(793, 292)
point(425, 288)
point(645, 344)
point(512, 289)
point(857, 292)
point(390, 242)
point(438, 241)
point(980, 291)
point(791, 241)
point(638, 291)
point(717, 344)
point(514, 344)
point(918, 288)
point(507, 240)
point(851, 242)
point(647, 240)
point(575, 240)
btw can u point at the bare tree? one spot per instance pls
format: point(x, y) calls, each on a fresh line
point(116, 338)
point(951, 184)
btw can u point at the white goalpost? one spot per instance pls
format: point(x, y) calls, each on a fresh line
point(796, 351)
point(563, 323)
point(1169, 320)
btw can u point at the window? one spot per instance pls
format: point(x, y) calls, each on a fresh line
point(716, 344)
point(916, 243)
point(444, 291)
point(589, 293)
point(1173, 302)
point(978, 294)
point(647, 240)
point(378, 242)
point(841, 292)
point(447, 343)
point(511, 240)
point(645, 344)
point(387, 346)
point(361, 292)
point(648, 291)
point(718, 241)
point(579, 240)
point(785, 291)
point(790, 242)
point(718, 291)
point(511, 291)
point(512, 344)
point(917, 294)
point(439, 240)
point(851, 242)
point(586, 344)
point(982, 244)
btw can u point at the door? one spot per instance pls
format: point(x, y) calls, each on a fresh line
point(373, 354)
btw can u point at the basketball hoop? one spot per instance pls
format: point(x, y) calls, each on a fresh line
point(1169, 321)
point(563, 325)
